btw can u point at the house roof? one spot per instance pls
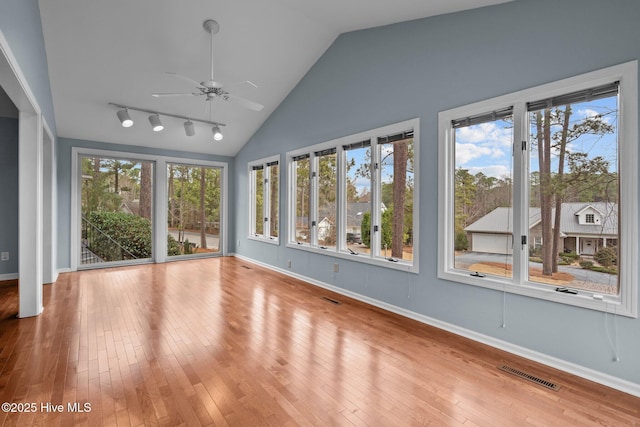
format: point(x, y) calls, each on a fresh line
point(355, 210)
point(500, 220)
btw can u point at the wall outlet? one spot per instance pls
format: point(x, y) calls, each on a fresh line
point(336, 268)
point(4, 256)
point(288, 263)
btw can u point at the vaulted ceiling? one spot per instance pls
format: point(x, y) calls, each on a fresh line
point(121, 50)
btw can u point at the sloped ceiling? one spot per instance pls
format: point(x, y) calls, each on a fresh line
point(120, 50)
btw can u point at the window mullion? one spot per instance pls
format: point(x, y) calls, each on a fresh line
point(376, 193)
point(341, 200)
point(252, 201)
point(314, 171)
point(266, 202)
point(521, 147)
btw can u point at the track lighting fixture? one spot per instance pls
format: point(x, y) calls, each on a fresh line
point(217, 133)
point(188, 128)
point(156, 124)
point(125, 119)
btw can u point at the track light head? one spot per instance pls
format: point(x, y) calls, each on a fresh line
point(189, 130)
point(125, 119)
point(217, 133)
point(156, 124)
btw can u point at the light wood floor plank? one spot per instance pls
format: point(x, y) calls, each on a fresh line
point(227, 343)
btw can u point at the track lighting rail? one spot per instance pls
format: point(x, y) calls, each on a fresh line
point(159, 113)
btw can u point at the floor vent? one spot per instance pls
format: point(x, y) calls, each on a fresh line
point(332, 301)
point(529, 377)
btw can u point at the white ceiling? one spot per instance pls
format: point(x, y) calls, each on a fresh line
point(119, 50)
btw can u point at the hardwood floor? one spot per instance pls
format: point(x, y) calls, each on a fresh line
point(224, 342)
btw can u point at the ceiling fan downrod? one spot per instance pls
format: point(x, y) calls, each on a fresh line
point(212, 27)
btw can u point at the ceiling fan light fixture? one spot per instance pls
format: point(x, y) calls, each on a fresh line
point(156, 124)
point(217, 133)
point(189, 130)
point(125, 119)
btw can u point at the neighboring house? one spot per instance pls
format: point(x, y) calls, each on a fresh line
point(325, 227)
point(355, 212)
point(584, 228)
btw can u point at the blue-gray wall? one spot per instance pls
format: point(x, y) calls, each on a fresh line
point(64, 147)
point(371, 78)
point(9, 194)
point(21, 25)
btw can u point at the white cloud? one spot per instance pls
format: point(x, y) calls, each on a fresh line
point(496, 171)
point(591, 113)
point(468, 152)
point(488, 134)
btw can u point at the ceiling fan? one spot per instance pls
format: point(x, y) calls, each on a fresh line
point(211, 88)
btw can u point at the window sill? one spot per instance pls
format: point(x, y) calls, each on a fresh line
point(363, 258)
point(270, 240)
point(584, 299)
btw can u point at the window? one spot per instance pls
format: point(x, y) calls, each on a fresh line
point(116, 210)
point(326, 181)
point(264, 183)
point(159, 199)
point(194, 210)
point(356, 198)
point(537, 191)
point(301, 199)
point(483, 202)
point(357, 191)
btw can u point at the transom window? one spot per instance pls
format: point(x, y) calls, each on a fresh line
point(356, 197)
point(537, 191)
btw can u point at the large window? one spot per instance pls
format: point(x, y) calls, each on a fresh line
point(356, 198)
point(264, 195)
point(194, 196)
point(537, 191)
point(139, 208)
point(116, 210)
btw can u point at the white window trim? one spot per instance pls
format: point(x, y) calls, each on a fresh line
point(266, 202)
point(159, 249)
point(341, 252)
point(624, 304)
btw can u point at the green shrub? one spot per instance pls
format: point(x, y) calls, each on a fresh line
point(461, 242)
point(188, 250)
point(606, 257)
point(569, 255)
point(587, 265)
point(123, 236)
point(173, 247)
point(365, 227)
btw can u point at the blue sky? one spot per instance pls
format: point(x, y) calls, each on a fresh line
point(486, 147)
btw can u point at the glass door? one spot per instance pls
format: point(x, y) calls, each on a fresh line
point(194, 210)
point(116, 210)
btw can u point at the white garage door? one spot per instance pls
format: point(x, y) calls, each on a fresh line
point(491, 243)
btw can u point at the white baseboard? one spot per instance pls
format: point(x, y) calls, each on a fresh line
point(563, 365)
point(11, 276)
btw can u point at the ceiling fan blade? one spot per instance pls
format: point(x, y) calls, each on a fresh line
point(163, 95)
point(246, 103)
point(185, 78)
